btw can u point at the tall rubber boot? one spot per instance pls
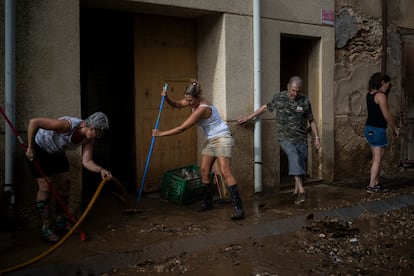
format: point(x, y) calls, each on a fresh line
point(43, 209)
point(235, 198)
point(207, 197)
point(63, 224)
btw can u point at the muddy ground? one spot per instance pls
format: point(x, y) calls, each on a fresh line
point(374, 245)
point(371, 244)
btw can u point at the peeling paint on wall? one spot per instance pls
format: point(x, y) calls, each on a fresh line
point(359, 54)
point(345, 27)
point(358, 38)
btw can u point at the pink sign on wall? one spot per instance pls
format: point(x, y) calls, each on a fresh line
point(328, 17)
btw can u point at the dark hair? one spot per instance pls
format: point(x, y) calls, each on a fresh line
point(375, 82)
point(193, 89)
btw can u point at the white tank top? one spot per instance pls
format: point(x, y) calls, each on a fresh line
point(53, 142)
point(213, 126)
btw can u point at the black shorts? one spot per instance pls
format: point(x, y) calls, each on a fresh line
point(48, 163)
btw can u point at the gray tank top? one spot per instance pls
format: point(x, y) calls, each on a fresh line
point(53, 142)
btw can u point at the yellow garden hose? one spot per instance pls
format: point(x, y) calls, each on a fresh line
point(63, 239)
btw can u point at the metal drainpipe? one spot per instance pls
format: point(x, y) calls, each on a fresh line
point(10, 87)
point(384, 37)
point(257, 98)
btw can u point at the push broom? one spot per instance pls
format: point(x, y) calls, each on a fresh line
point(132, 211)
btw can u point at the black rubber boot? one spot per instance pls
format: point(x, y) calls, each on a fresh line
point(60, 210)
point(63, 224)
point(207, 198)
point(47, 234)
point(42, 207)
point(235, 198)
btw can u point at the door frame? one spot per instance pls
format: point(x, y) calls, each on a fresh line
point(407, 95)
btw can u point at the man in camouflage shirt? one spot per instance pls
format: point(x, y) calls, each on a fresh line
point(293, 113)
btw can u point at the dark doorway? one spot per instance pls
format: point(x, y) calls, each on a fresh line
point(294, 61)
point(107, 85)
point(294, 56)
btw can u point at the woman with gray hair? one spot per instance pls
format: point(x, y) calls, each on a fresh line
point(47, 140)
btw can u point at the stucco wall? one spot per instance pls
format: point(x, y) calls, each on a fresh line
point(225, 60)
point(48, 71)
point(47, 80)
point(358, 56)
point(290, 10)
point(2, 125)
point(400, 13)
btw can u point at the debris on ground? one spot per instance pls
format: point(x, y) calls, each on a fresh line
point(332, 227)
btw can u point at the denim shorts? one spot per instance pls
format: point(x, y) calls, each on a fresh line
point(376, 136)
point(297, 154)
point(221, 146)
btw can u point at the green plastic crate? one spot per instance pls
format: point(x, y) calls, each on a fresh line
point(182, 185)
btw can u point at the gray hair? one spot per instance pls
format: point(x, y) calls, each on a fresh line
point(97, 120)
point(295, 79)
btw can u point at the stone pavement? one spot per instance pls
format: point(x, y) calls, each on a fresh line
point(165, 230)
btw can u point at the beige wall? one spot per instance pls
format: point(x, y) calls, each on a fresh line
point(225, 60)
point(2, 100)
point(47, 78)
point(321, 76)
point(48, 71)
point(400, 13)
point(48, 65)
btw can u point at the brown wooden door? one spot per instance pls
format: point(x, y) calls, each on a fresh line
point(165, 51)
point(407, 105)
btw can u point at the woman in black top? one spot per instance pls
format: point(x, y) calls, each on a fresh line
point(375, 128)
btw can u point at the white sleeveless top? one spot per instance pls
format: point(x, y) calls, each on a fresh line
point(213, 126)
point(53, 142)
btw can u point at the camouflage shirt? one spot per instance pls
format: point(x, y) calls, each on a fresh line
point(292, 116)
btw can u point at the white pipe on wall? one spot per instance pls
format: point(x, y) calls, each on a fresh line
point(257, 98)
point(10, 96)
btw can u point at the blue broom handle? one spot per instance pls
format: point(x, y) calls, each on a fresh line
point(152, 146)
point(161, 106)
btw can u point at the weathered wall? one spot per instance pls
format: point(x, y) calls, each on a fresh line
point(48, 71)
point(2, 125)
point(225, 67)
point(47, 80)
point(48, 67)
point(358, 56)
